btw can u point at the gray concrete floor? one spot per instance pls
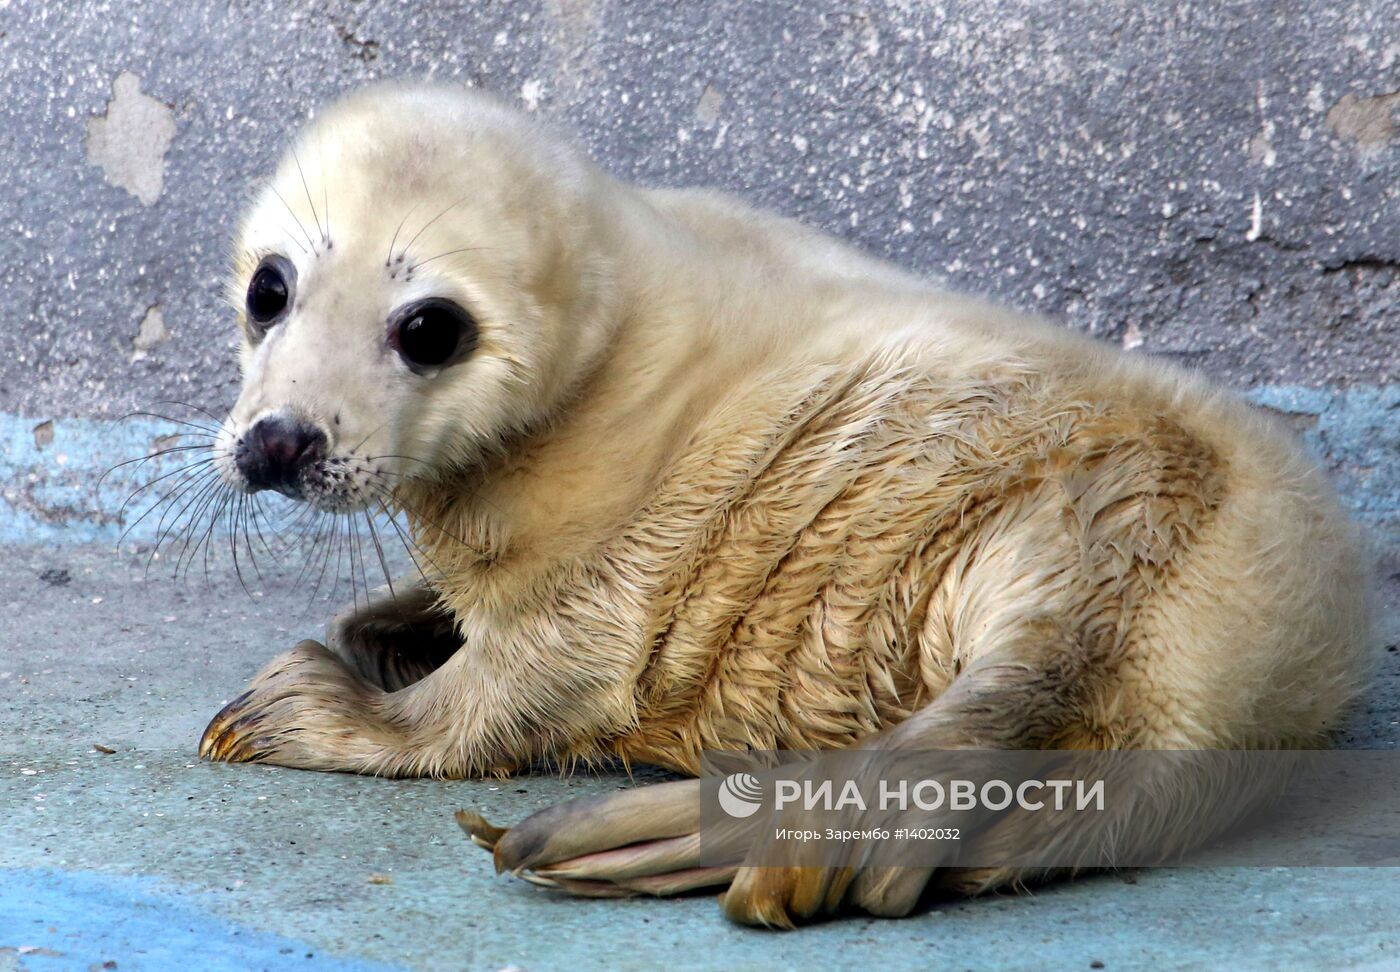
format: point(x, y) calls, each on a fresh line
point(151, 859)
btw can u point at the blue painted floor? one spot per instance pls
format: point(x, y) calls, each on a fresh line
point(59, 920)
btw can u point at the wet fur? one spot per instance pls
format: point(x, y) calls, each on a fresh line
point(716, 481)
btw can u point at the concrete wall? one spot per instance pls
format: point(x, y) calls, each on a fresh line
point(1218, 182)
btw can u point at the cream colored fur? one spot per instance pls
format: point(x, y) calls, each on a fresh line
point(713, 480)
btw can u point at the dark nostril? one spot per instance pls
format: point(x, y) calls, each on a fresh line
point(277, 450)
point(282, 445)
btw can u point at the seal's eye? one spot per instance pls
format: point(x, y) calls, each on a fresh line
point(433, 333)
point(269, 292)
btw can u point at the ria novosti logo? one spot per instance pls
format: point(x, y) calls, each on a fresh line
point(740, 795)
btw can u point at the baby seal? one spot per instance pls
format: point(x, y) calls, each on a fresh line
point(686, 477)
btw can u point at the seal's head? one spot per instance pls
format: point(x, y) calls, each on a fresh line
point(416, 285)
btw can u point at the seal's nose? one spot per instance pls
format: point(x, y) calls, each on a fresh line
point(277, 450)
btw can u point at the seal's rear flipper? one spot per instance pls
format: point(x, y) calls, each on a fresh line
point(617, 845)
point(647, 841)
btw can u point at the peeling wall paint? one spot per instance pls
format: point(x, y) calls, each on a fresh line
point(1356, 434)
point(1367, 122)
point(151, 332)
point(129, 142)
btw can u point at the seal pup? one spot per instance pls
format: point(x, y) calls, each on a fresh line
point(688, 476)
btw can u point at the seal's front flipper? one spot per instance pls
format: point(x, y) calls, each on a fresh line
point(395, 638)
point(308, 710)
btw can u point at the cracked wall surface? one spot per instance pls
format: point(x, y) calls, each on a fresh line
point(1218, 183)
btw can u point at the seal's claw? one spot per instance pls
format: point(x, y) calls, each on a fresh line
point(305, 709)
point(209, 741)
point(221, 738)
point(483, 833)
